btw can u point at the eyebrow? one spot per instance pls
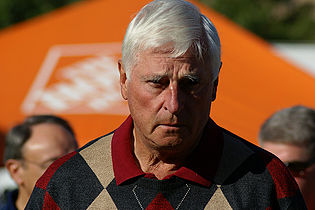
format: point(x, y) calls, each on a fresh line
point(193, 77)
point(154, 77)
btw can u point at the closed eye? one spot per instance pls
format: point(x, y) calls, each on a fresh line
point(159, 82)
point(189, 83)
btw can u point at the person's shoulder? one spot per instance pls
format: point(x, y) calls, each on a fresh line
point(53, 168)
point(74, 164)
point(102, 139)
point(282, 179)
point(250, 147)
point(237, 147)
point(269, 159)
point(75, 179)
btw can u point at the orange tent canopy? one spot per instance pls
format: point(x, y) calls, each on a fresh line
point(65, 63)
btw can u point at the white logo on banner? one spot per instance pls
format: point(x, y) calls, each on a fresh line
point(89, 85)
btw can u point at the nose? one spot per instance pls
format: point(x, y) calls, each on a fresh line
point(174, 99)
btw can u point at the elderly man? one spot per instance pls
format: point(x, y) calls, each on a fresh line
point(290, 134)
point(168, 154)
point(30, 148)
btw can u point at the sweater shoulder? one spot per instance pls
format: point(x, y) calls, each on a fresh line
point(76, 179)
point(79, 158)
point(262, 160)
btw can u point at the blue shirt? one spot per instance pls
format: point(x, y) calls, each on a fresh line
point(11, 198)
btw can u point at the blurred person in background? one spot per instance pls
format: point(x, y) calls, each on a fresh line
point(6, 182)
point(30, 147)
point(290, 135)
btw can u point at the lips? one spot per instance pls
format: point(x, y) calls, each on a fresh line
point(170, 123)
point(173, 125)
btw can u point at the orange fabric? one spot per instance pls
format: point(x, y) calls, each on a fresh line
point(253, 82)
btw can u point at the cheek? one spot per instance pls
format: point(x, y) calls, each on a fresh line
point(138, 102)
point(141, 99)
point(31, 176)
point(202, 100)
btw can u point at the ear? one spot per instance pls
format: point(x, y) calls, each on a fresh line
point(215, 86)
point(15, 169)
point(122, 80)
point(214, 89)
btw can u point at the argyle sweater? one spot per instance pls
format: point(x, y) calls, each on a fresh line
point(224, 172)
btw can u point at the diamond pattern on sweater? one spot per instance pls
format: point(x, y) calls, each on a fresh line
point(159, 202)
point(218, 201)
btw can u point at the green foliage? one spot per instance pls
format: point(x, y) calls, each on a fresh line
point(14, 11)
point(270, 19)
point(282, 20)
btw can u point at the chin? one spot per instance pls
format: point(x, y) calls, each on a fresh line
point(169, 143)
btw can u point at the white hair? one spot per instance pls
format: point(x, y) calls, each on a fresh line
point(176, 23)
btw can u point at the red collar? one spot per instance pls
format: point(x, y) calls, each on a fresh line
point(200, 166)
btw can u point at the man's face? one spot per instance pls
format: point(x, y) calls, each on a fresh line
point(169, 99)
point(47, 143)
point(291, 153)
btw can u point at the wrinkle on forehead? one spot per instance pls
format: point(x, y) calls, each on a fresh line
point(167, 59)
point(170, 67)
point(161, 63)
point(167, 51)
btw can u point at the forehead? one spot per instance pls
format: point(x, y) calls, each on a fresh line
point(48, 129)
point(47, 135)
point(164, 60)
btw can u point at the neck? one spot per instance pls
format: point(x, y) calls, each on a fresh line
point(157, 161)
point(21, 200)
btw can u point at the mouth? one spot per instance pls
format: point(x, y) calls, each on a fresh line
point(171, 129)
point(171, 125)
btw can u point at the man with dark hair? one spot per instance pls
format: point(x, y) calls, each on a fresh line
point(168, 154)
point(290, 135)
point(30, 147)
